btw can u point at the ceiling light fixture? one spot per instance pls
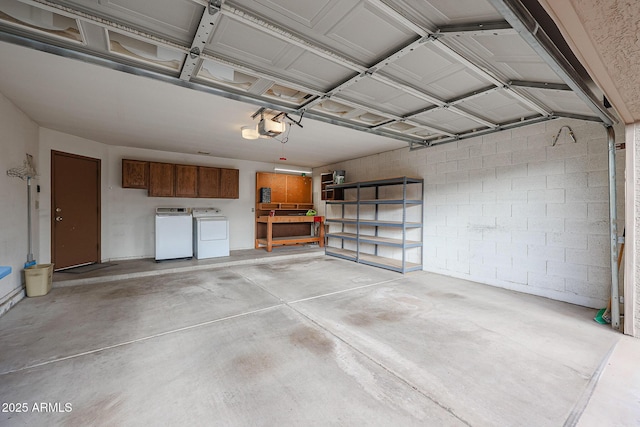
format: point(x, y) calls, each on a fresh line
point(250, 132)
point(293, 169)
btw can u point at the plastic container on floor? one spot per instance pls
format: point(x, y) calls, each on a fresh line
point(38, 279)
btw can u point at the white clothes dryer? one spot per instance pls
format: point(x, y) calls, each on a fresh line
point(210, 233)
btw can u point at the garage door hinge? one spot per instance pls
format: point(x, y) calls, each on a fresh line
point(194, 52)
point(214, 6)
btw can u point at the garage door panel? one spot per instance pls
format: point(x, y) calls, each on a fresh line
point(237, 40)
point(382, 96)
point(177, 19)
point(498, 107)
point(436, 13)
point(508, 54)
point(560, 101)
point(435, 72)
point(447, 120)
point(317, 71)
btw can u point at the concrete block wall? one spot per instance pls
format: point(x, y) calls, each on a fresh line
point(511, 210)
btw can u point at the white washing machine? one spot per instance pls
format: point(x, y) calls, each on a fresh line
point(174, 238)
point(210, 233)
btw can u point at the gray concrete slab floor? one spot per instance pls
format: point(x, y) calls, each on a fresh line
point(309, 341)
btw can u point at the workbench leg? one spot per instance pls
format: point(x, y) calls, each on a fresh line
point(321, 243)
point(269, 236)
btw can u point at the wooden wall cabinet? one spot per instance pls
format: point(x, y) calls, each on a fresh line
point(208, 182)
point(171, 180)
point(229, 183)
point(135, 174)
point(186, 181)
point(161, 179)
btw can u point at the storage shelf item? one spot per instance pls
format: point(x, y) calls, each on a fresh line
point(326, 193)
point(366, 225)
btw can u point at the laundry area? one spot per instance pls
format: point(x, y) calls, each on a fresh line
point(310, 340)
point(358, 212)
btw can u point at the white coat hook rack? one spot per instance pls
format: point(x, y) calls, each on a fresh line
point(26, 173)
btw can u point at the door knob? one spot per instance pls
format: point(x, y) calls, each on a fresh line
point(58, 218)
point(58, 210)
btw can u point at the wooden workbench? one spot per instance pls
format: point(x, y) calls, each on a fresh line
point(270, 241)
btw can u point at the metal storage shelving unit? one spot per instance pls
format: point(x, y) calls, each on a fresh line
point(367, 230)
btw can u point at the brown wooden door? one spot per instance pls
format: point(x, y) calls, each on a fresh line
point(75, 210)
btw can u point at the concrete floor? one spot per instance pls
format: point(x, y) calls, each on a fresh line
point(305, 339)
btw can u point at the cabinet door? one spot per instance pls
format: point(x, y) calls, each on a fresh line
point(135, 174)
point(208, 182)
point(161, 179)
point(186, 181)
point(229, 183)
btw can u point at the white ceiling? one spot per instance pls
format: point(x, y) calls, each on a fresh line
point(403, 72)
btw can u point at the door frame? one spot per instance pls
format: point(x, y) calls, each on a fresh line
point(98, 162)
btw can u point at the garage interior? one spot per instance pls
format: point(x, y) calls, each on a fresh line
point(514, 116)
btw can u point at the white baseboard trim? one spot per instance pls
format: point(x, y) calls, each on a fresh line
point(11, 299)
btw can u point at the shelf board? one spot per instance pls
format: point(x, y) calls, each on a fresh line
point(289, 240)
point(341, 253)
point(390, 202)
point(388, 263)
point(374, 260)
point(289, 219)
point(378, 183)
point(376, 240)
point(377, 202)
point(374, 223)
point(342, 202)
point(284, 206)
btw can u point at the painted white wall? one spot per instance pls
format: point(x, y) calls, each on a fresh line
point(128, 225)
point(510, 210)
point(18, 137)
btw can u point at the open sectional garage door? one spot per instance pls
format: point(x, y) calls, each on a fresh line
point(426, 73)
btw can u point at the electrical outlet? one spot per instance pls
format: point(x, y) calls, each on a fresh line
point(253, 209)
